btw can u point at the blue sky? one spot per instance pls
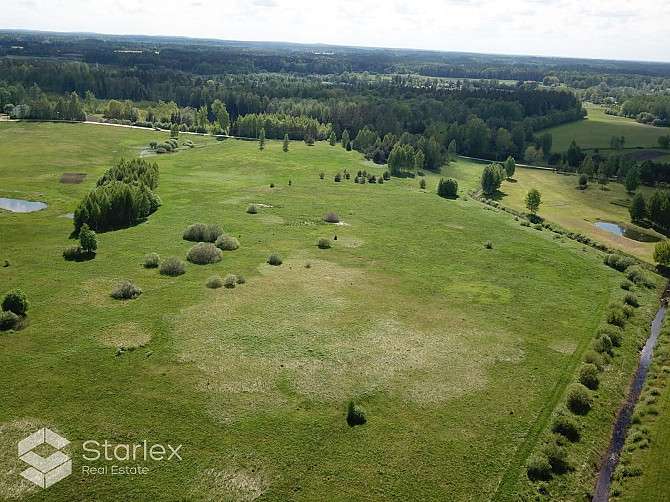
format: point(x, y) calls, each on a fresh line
point(611, 29)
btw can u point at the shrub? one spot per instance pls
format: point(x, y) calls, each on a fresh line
point(557, 456)
point(639, 276)
point(538, 467)
point(252, 209)
point(227, 243)
point(73, 253)
point(126, 291)
point(338, 177)
point(272, 185)
point(173, 267)
point(322, 175)
point(332, 217)
point(616, 316)
point(229, 281)
point(631, 300)
point(447, 187)
point(422, 183)
point(8, 320)
point(592, 357)
point(241, 279)
point(204, 253)
point(488, 245)
point(619, 262)
point(380, 181)
point(6, 263)
point(347, 176)
point(15, 301)
point(199, 232)
point(578, 399)
point(151, 260)
point(566, 427)
point(583, 180)
point(628, 311)
point(355, 415)
point(324, 243)
point(275, 259)
point(627, 285)
point(588, 376)
point(160, 149)
point(386, 176)
point(214, 282)
point(614, 333)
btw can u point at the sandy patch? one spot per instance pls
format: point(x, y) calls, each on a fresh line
point(128, 335)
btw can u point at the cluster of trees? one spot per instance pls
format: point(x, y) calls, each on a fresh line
point(39, 106)
point(277, 126)
point(123, 195)
point(407, 154)
point(656, 209)
point(648, 108)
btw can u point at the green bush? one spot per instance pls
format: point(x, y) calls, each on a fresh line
point(639, 276)
point(422, 183)
point(578, 399)
point(73, 253)
point(199, 232)
point(627, 285)
point(126, 291)
point(616, 316)
point(331, 217)
point(241, 279)
point(275, 259)
point(628, 311)
point(588, 376)
point(592, 357)
point(8, 320)
point(583, 180)
point(324, 243)
point(151, 260)
point(214, 282)
point(6, 263)
point(566, 427)
point(173, 267)
point(631, 300)
point(15, 301)
point(227, 243)
point(538, 467)
point(488, 245)
point(252, 209)
point(557, 456)
point(230, 281)
point(447, 187)
point(614, 333)
point(355, 415)
point(619, 262)
point(204, 253)
point(602, 344)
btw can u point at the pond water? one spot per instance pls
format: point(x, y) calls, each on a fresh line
point(20, 206)
point(627, 232)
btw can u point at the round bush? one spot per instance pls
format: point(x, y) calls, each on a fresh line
point(592, 357)
point(126, 291)
point(227, 243)
point(588, 376)
point(603, 344)
point(241, 279)
point(557, 456)
point(447, 187)
point(631, 300)
point(538, 467)
point(230, 281)
point(204, 253)
point(614, 333)
point(616, 316)
point(15, 301)
point(173, 267)
point(488, 245)
point(331, 217)
point(8, 319)
point(323, 243)
point(627, 285)
point(73, 253)
point(566, 427)
point(355, 415)
point(275, 259)
point(578, 399)
point(252, 209)
point(199, 232)
point(214, 282)
point(639, 276)
point(151, 260)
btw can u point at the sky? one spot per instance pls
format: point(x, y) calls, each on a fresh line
point(600, 29)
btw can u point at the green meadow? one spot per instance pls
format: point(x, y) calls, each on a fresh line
point(457, 352)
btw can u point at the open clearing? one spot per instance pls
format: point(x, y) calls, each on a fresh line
point(455, 351)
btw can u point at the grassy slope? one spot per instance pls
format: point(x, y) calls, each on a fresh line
point(436, 336)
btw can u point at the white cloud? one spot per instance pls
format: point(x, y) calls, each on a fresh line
point(613, 29)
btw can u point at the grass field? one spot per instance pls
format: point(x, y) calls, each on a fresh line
point(458, 353)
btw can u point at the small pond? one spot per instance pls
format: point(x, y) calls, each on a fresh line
point(627, 232)
point(20, 206)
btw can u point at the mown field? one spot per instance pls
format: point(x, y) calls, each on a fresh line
point(457, 352)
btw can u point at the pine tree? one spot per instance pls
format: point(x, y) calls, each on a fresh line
point(285, 146)
point(261, 139)
point(332, 139)
point(345, 139)
point(87, 239)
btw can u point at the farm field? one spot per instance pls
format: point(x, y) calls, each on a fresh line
point(458, 353)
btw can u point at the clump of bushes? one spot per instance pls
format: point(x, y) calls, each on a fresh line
point(593, 357)
point(204, 253)
point(578, 399)
point(73, 253)
point(639, 276)
point(447, 187)
point(566, 427)
point(229, 281)
point(538, 467)
point(331, 217)
point(627, 285)
point(631, 300)
point(15, 301)
point(324, 243)
point(603, 344)
point(200, 232)
point(127, 290)
point(557, 455)
point(227, 243)
point(588, 376)
point(252, 209)
point(355, 415)
point(241, 279)
point(616, 316)
point(614, 333)
point(275, 259)
point(151, 260)
point(214, 282)
point(619, 262)
point(8, 320)
point(173, 267)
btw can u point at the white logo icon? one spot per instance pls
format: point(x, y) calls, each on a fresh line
point(44, 472)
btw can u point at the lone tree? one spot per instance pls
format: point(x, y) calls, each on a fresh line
point(602, 180)
point(492, 177)
point(87, 239)
point(533, 200)
point(285, 146)
point(662, 253)
point(510, 167)
point(345, 139)
point(261, 139)
point(638, 208)
point(447, 188)
point(332, 139)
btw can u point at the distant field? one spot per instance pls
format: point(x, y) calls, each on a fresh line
point(598, 128)
point(458, 353)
